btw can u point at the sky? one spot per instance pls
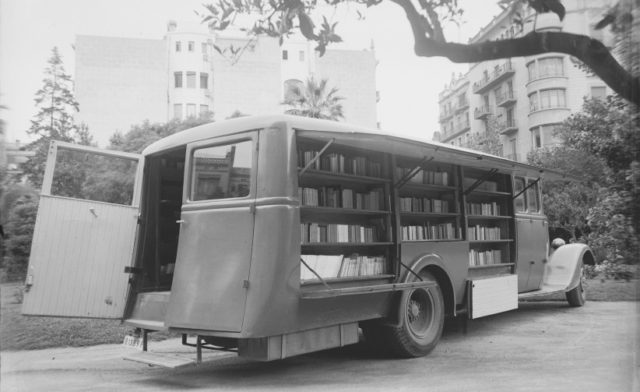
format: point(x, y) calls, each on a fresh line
point(408, 85)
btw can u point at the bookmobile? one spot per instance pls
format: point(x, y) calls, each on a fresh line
point(275, 236)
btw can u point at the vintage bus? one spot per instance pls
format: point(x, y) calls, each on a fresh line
point(277, 236)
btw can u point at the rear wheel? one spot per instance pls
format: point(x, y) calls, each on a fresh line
point(421, 318)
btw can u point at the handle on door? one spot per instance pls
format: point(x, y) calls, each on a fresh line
point(93, 211)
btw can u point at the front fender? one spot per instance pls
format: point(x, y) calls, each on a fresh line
point(565, 266)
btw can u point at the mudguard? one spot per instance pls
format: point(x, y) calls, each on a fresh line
point(565, 265)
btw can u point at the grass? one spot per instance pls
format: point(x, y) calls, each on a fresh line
point(19, 332)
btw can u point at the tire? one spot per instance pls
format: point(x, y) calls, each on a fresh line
point(578, 296)
point(421, 318)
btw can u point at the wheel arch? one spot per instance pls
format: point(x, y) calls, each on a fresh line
point(435, 265)
point(565, 265)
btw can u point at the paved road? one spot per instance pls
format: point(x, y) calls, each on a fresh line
point(543, 346)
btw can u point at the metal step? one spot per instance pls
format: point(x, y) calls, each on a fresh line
point(171, 361)
point(546, 289)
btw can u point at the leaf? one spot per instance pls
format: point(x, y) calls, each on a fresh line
point(607, 20)
point(544, 6)
point(306, 26)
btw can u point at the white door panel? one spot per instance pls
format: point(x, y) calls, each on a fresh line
point(81, 247)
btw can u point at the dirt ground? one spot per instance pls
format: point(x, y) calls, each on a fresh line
point(542, 346)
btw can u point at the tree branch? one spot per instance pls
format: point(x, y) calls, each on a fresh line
point(590, 51)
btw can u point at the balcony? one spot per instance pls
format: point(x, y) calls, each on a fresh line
point(499, 74)
point(510, 127)
point(481, 112)
point(507, 98)
point(461, 106)
point(444, 116)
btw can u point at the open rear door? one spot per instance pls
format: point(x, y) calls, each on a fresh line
point(85, 233)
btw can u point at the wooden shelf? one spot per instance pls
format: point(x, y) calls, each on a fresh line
point(480, 217)
point(336, 210)
point(430, 214)
point(363, 289)
point(472, 242)
point(313, 176)
point(346, 279)
point(339, 244)
point(477, 192)
point(428, 187)
point(488, 266)
point(413, 241)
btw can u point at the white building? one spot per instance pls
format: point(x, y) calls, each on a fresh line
point(527, 96)
point(120, 82)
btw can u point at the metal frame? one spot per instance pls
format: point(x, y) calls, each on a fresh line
point(53, 154)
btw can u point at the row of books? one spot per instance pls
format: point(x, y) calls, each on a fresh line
point(423, 204)
point(339, 266)
point(341, 198)
point(490, 186)
point(339, 163)
point(425, 176)
point(428, 231)
point(492, 209)
point(483, 233)
point(484, 257)
point(332, 232)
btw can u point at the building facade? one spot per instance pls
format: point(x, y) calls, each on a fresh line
point(524, 99)
point(120, 82)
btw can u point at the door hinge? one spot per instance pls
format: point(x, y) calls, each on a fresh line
point(245, 284)
point(133, 270)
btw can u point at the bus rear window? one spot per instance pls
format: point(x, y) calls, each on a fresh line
point(222, 171)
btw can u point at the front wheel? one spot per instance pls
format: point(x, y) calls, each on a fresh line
point(421, 318)
point(578, 295)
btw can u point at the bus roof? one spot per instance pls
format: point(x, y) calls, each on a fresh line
point(358, 137)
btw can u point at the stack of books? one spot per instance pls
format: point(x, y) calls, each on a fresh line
point(339, 266)
point(486, 257)
point(483, 233)
point(428, 231)
point(319, 233)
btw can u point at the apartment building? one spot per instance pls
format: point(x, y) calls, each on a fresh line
point(120, 82)
point(523, 99)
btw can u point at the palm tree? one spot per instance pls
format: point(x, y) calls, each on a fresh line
point(311, 99)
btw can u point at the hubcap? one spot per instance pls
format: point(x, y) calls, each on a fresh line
point(419, 312)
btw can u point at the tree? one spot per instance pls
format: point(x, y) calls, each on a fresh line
point(277, 18)
point(487, 141)
point(142, 135)
point(602, 148)
point(19, 227)
point(54, 119)
point(313, 99)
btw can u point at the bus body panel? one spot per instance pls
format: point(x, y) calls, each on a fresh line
point(208, 290)
point(452, 256)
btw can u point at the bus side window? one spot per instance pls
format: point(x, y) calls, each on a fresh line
point(519, 202)
point(222, 171)
point(533, 197)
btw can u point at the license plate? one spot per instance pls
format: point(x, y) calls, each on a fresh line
point(133, 341)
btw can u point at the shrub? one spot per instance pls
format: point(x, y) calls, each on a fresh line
point(19, 231)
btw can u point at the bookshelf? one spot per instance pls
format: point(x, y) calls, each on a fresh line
point(427, 204)
point(488, 219)
point(345, 213)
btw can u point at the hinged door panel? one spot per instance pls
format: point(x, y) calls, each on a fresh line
point(84, 234)
point(210, 282)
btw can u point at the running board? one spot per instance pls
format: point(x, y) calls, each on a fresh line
point(170, 361)
point(545, 290)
